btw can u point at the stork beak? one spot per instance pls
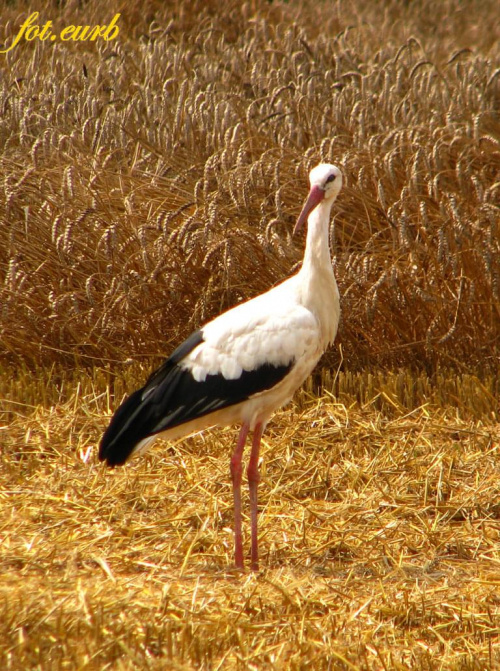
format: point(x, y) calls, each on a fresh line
point(316, 195)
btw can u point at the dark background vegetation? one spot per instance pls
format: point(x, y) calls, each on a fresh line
point(149, 182)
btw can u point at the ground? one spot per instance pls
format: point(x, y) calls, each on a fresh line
point(379, 537)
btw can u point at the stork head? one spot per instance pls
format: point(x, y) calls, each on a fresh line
point(326, 182)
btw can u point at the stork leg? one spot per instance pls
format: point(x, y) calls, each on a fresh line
point(236, 473)
point(253, 483)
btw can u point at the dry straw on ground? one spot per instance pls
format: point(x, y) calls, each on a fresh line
point(380, 540)
point(148, 183)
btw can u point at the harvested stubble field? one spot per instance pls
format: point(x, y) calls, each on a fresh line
point(148, 183)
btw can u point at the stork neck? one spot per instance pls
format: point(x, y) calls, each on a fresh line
point(317, 251)
point(317, 285)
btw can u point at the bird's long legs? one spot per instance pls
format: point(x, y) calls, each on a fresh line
point(236, 473)
point(253, 483)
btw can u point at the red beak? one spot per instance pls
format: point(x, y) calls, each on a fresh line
point(316, 195)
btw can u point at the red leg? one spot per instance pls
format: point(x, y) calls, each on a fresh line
point(236, 472)
point(253, 483)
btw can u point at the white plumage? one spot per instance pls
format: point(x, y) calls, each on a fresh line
point(246, 363)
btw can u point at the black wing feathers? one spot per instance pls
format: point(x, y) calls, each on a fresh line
point(171, 397)
point(122, 434)
point(127, 425)
point(195, 339)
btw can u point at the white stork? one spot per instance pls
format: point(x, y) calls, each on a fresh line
point(243, 365)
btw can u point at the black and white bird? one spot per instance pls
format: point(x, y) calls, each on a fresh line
point(244, 364)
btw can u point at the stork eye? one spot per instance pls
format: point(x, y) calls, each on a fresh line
point(330, 179)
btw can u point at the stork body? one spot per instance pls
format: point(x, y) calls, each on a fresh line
point(243, 365)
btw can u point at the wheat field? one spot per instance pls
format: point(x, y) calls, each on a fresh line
point(151, 181)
